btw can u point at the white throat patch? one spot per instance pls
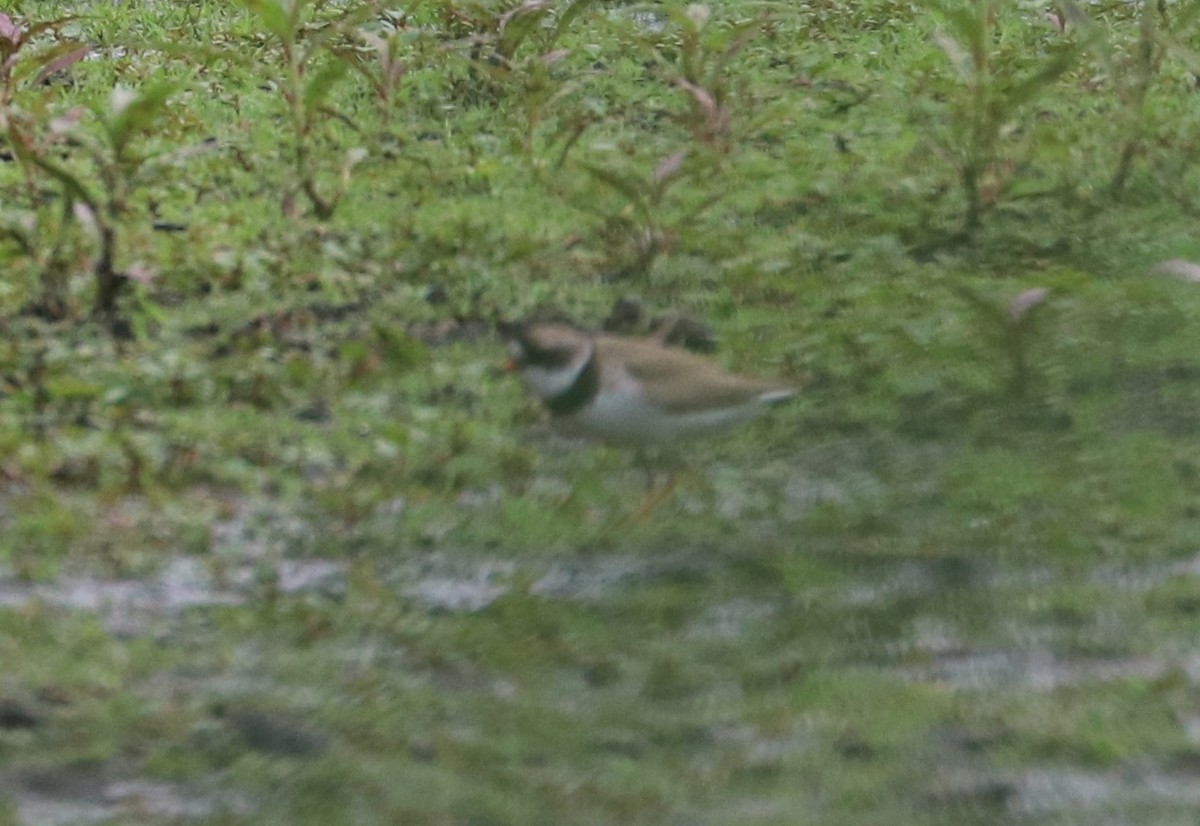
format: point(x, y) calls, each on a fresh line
point(546, 383)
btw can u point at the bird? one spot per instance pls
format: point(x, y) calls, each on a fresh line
point(635, 392)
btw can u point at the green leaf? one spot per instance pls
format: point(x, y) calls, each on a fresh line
point(1179, 51)
point(318, 86)
point(737, 39)
point(629, 186)
point(987, 307)
point(959, 57)
point(401, 351)
point(33, 30)
point(71, 387)
point(1027, 89)
point(966, 22)
point(328, 36)
point(1185, 15)
point(690, 17)
point(565, 19)
point(134, 111)
point(516, 26)
point(74, 186)
point(275, 17)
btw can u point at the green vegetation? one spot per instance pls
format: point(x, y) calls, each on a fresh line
point(280, 543)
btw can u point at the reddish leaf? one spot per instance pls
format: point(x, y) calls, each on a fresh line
point(63, 61)
point(701, 95)
point(142, 273)
point(554, 56)
point(9, 30)
point(669, 166)
point(1026, 301)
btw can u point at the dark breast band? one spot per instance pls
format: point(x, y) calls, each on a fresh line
point(581, 391)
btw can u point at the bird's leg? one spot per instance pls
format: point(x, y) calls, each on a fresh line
point(654, 498)
point(643, 462)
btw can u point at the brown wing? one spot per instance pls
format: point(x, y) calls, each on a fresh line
point(678, 380)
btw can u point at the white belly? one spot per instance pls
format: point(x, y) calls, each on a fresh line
point(625, 417)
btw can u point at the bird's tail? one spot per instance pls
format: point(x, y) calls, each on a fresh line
point(781, 394)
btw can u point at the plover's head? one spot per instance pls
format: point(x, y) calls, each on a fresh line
point(548, 355)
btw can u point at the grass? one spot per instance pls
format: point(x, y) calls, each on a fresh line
point(280, 543)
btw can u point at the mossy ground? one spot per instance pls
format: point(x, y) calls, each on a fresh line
point(301, 553)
